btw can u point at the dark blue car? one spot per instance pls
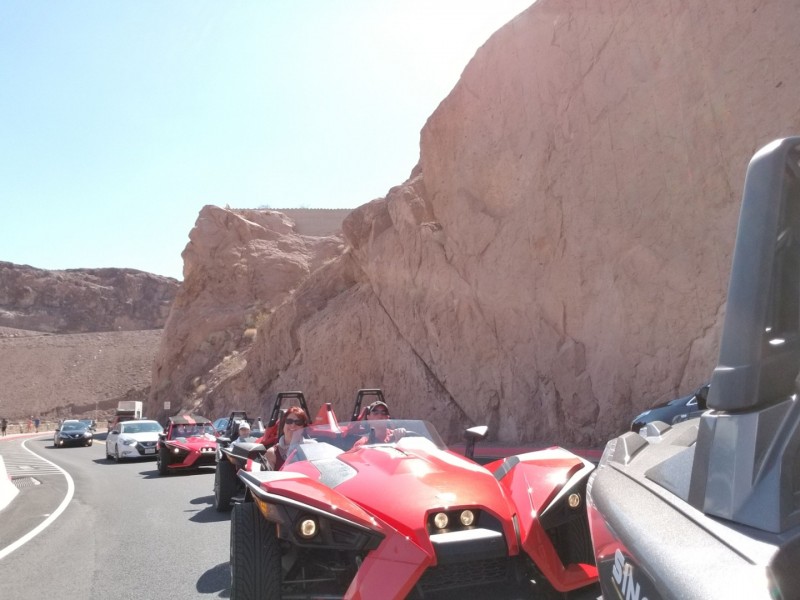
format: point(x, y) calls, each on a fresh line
point(674, 411)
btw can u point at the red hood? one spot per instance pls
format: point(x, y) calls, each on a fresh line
point(401, 487)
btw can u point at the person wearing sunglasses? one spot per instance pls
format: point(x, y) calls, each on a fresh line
point(293, 424)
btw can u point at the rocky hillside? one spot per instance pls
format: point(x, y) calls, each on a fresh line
point(83, 300)
point(558, 259)
point(74, 342)
point(73, 375)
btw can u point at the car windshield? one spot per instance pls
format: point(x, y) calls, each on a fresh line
point(399, 433)
point(72, 426)
point(140, 428)
point(196, 430)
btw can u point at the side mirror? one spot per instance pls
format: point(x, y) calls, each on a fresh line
point(472, 435)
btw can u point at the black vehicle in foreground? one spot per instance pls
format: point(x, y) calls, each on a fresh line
point(73, 433)
point(674, 411)
point(710, 508)
point(232, 455)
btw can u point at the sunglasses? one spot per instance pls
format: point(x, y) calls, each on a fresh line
point(379, 411)
point(291, 421)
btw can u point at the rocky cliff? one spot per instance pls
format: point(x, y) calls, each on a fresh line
point(558, 259)
point(83, 300)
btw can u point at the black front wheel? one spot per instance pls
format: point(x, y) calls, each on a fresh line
point(255, 556)
point(162, 461)
point(224, 485)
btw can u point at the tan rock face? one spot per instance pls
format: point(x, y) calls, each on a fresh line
point(558, 260)
point(238, 267)
point(83, 300)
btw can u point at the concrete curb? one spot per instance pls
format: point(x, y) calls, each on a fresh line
point(7, 489)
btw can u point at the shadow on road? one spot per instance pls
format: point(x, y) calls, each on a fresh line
point(216, 580)
point(208, 514)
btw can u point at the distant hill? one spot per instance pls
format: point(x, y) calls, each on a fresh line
point(83, 300)
point(74, 342)
point(73, 375)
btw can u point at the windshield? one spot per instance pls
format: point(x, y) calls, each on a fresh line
point(196, 430)
point(322, 441)
point(140, 427)
point(72, 426)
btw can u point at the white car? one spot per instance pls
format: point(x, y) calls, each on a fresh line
point(133, 439)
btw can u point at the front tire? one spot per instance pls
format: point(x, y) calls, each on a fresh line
point(224, 485)
point(255, 556)
point(162, 461)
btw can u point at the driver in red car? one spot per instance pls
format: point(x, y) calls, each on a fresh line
point(378, 422)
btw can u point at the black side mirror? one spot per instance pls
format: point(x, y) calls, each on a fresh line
point(472, 435)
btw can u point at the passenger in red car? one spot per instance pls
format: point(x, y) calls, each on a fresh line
point(244, 433)
point(293, 425)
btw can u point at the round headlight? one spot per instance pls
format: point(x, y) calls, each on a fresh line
point(440, 520)
point(467, 518)
point(176, 450)
point(308, 528)
point(574, 500)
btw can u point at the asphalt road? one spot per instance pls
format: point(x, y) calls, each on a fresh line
point(126, 533)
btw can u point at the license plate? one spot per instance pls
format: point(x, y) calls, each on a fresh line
point(149, 450)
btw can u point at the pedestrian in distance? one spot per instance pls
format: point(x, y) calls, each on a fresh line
point(4, 426)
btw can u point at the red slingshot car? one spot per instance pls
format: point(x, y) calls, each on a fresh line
point(188, 442)
point(397, 515)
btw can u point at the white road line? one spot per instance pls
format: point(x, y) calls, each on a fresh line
point(49, 520)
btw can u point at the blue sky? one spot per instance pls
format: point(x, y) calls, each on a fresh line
point(121, 120)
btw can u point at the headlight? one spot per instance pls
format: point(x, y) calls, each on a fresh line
point(467, 518)
point(440, 520)
point(87, 434)
point(307, 528)
point(128, 442)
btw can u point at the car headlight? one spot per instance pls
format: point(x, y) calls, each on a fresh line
point(128, 442)
point(308, 528)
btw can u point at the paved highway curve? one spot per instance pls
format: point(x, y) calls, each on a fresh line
point(126, 533)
